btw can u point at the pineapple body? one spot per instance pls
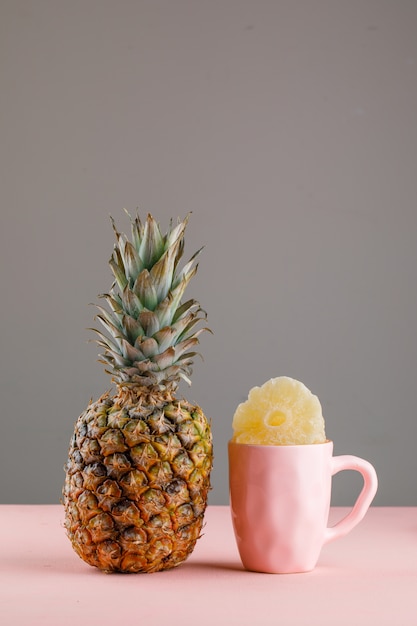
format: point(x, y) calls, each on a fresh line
point(139, 462)
point(137, 481)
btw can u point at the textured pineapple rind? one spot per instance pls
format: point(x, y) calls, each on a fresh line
point(137, 481)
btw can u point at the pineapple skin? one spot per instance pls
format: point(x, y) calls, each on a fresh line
point(137, 481)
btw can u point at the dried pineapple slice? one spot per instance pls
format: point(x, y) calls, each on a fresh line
point(283, 411)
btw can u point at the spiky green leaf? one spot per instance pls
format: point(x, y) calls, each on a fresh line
point(131, 303)
point(149, 347)
point(131, 353)
point(133, 328)
point(152, 243)
point(118, 270)
point(145, 290)
point(149, 322)
point(132, 262)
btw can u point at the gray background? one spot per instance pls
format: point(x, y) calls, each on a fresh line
point(289, 129)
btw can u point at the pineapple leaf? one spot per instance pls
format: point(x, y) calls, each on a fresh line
point(105, 341)
point(152, 243)
point(177, 232)
point(149, 347)
point(183, 346)
point(117, 269)
point(133, 328)
point(186, 269)
point(131, 353)
point(162, 272)
point(164, 311)
point(131, 303)
point(166, 359)
point(116, 232)
point(111, 317)
point(149, 334)
point(185, 327)
point(136, 226)
point(113, 330)
point(146, 366)
point(145, 290)
point(132, 262)
point(114, 358)
point(179, 289)
point(184, 308)
point(149, 322)
point(165, 338)
point(182, 375)
point(167, 310)
point(115, 304)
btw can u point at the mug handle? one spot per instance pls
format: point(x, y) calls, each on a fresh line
point(370, 486)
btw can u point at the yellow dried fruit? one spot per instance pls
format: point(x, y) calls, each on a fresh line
point(283, 411)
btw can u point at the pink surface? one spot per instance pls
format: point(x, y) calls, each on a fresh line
point(366, 578)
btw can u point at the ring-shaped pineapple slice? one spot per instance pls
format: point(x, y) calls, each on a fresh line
point(283, 411)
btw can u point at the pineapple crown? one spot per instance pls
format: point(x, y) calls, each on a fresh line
point(150, 333)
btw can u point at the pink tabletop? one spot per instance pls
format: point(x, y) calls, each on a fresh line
point(367, 578)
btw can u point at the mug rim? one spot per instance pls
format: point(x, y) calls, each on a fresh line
point(281, 446)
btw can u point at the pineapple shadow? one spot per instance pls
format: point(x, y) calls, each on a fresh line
point(202, 567)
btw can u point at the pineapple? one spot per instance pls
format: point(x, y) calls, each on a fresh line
point(281, 412)
point(139, 462)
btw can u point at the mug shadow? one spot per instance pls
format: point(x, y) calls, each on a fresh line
point(234, 567)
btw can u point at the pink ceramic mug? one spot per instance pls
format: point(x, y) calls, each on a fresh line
point(280, 500)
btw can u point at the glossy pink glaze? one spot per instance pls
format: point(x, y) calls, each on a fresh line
point(280, 500)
